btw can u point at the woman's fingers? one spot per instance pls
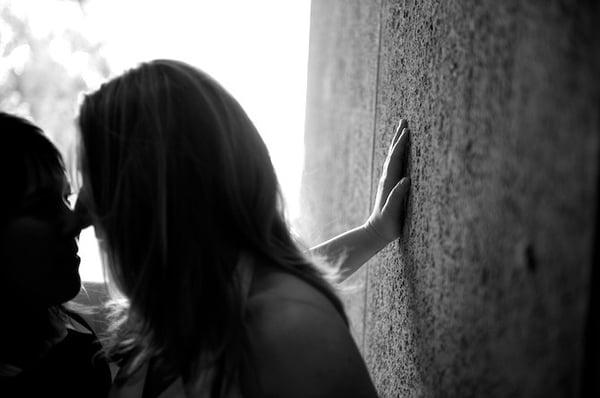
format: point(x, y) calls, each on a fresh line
point(398, 135)
point(399, 152)
point(388, 223)
point(389, 211)
point(394, 167)
point(401, 126)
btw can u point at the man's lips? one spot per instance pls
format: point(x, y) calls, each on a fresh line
point(69, 250)
point(69, 256)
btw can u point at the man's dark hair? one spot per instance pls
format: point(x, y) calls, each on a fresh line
point(27, 157)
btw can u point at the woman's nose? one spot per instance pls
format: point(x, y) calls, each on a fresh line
point(82, 214)
point(72, 225)
point(76, 220)
point(81, 209)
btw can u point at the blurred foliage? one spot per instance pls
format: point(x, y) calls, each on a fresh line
point(46, 62)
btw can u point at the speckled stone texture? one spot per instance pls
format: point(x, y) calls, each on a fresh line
point(339, 132)
point(486, 293)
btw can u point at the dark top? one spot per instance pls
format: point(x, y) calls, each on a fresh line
point(74, 367)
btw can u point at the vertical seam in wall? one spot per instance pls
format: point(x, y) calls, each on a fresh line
point(590, 363)
point(373, 142)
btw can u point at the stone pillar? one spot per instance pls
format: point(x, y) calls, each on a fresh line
point(487, 292)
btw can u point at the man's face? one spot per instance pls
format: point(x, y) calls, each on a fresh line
point(38, 247)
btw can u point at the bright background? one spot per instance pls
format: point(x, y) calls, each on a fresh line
point(53, 50)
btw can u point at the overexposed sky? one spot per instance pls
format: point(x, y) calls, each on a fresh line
point(258, 50)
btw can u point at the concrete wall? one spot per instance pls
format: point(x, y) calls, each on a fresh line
point(487, 292)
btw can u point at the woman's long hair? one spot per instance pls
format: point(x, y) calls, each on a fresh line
point(180, 183)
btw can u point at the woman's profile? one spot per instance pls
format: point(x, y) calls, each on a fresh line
point(219, 300)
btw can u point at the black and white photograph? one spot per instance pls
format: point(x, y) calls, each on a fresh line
point(299, 198)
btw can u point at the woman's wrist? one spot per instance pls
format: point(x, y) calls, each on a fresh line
point(372, 230)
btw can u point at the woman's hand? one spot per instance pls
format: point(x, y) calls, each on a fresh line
point(351, 249)
point(389, 211)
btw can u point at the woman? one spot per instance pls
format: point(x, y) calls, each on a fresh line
point(219, 298)
point(45, 349)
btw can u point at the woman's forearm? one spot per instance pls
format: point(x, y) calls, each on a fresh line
point(351, 249)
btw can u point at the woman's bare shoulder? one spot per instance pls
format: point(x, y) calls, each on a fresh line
point(300, 344)
point(278, 293)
